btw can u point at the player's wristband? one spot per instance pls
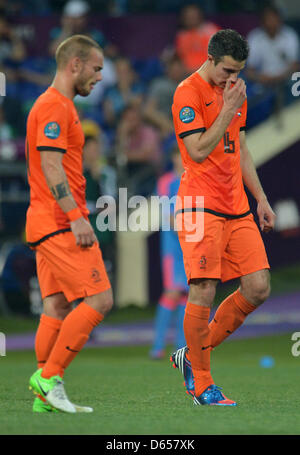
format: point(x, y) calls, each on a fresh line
point(74, 214)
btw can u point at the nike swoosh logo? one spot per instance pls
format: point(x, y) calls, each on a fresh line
point(69, 349)
point(208, 104)
point(42, 390)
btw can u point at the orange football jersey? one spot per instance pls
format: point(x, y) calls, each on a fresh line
point(218, 178)
point(52, 125)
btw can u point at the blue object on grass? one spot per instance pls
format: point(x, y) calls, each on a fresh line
point(267, 361)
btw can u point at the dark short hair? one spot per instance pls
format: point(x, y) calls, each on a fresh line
point(228, 42)
point(269, 8)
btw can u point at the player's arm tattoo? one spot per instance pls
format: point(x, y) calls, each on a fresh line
point(60, 190)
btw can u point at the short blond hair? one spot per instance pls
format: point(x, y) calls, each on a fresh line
point(75, 46)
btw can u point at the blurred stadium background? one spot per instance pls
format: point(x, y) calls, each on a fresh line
point(142, 40)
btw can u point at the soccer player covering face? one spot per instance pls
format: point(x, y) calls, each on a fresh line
point(69, 261)
point(209, 113)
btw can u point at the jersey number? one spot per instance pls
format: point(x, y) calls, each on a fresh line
point(228, 144)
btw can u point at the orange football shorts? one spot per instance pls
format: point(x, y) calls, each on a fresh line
point(63, 266)
point(225, 249)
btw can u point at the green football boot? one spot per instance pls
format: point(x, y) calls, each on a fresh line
point(52, 390)
point(40, 406)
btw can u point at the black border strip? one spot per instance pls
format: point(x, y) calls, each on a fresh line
point(187, 133)
point(213, 212)
point(46, 237)
point(47, 148)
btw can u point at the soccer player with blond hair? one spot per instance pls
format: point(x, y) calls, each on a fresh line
point(69, 261)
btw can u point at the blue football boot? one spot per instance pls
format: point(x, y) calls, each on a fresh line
point(213, 396)
point(184, 365)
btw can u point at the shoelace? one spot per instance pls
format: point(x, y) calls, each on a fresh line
point(215, 391)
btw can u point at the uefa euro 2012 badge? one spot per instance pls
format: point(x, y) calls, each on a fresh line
point(52, 130)
point(187, 114)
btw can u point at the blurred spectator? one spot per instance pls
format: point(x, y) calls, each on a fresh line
point(6, 131)
point(74, 21)
point(274, 50)
point(273, 57)
point(192, 41)
point(12, 110)
point(38, 71)
point(12, 50)
point(92, 128)
point(175, 288)
point(26, 7)
point(117, 7)
point(138, 152)
point(127, 90)
point(160, 96)
point(18, 271)
point(100, 181)
point(8, 150)
point(209, 7)
point(36, 74)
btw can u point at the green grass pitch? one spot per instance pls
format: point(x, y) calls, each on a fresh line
point(134, 395)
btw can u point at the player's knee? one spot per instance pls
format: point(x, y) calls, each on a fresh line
point(102, 302)
point(107, 306)
point(57, 306)
point(261, 291)
point(202, 291)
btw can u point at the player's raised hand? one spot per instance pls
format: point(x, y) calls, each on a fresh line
point(266, 215)
point(234, 96)
point(84, 233)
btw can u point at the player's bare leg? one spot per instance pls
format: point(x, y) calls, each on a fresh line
point(101, 302)
point(56, 306)
point(256, 287)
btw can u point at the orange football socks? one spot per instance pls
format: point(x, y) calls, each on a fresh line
point(45, 338)
point(197, 336)
point(73, 335)
point(229, 316)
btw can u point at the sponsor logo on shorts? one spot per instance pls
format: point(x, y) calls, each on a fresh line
point(203, 262)
point(187, 114)
point(52, 130)
point(96, 275)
